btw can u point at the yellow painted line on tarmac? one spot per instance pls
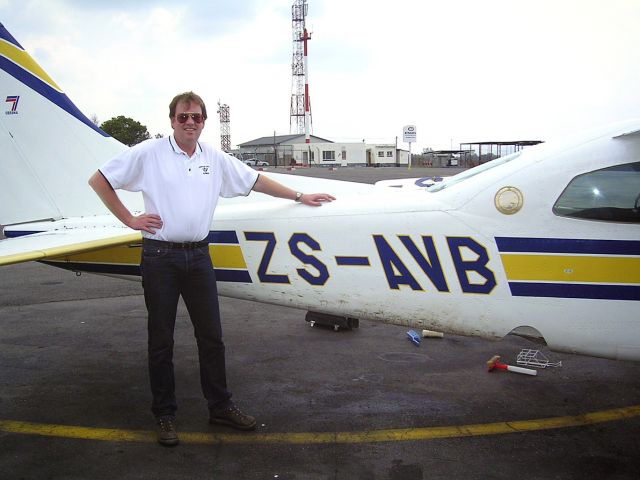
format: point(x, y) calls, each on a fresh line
point(368, 436)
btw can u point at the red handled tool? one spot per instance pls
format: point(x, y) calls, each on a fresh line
point(494, 363)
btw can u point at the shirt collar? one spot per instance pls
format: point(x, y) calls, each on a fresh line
point(178, 150)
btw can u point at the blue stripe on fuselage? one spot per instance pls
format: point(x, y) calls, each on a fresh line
point(568, 245)
point(575, 290)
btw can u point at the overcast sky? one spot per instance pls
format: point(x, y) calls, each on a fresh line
point(460, 70)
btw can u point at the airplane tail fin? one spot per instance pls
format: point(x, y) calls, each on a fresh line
point(49, 148)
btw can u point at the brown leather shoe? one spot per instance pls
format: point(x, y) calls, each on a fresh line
point(232, 416)
point(166, 430)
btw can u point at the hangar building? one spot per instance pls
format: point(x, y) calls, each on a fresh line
point(288, 150)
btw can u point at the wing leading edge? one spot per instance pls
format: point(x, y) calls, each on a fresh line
point(51, 244)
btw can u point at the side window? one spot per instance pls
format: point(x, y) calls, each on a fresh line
point(611, 194)
point(328, 155)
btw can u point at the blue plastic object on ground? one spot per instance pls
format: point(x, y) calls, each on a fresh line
point(414, 337)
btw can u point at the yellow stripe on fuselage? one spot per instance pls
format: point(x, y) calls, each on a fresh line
point(571, 268)
point(223, 256)
point(227, 256)
point(22, 58)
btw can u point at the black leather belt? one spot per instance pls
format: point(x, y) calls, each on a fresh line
point(175, 245)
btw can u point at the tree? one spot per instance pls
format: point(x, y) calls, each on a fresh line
point(126, 130)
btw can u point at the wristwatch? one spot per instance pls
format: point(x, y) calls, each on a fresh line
point(299, 196)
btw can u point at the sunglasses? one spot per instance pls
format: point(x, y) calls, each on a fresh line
point(182, 117)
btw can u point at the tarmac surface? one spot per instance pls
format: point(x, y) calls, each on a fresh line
point(363, 404)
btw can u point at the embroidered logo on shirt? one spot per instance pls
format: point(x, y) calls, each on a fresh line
point(204, 168)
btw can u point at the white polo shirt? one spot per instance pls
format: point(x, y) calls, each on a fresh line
point(183, 190)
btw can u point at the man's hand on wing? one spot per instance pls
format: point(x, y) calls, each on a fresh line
point(316, 199)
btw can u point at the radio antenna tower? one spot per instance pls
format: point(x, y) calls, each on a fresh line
point(300, 119)
point(225, 127)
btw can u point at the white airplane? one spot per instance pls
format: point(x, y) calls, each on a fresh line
point(547, 238)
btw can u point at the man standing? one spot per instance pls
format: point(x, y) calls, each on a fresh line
point(181, 180)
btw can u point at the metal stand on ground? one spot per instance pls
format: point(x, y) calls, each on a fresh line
point(535, 358)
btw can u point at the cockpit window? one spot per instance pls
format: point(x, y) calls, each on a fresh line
point(448, 182)
point(611, 194)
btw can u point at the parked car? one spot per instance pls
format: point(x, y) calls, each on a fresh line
point(252, 162)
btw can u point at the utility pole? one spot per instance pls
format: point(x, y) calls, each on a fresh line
point(275, 150)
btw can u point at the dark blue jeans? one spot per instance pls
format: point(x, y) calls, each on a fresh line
point(168, 273)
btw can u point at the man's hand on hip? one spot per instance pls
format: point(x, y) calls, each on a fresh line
point(147, 222)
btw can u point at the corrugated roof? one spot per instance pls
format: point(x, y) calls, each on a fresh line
point(281, 139)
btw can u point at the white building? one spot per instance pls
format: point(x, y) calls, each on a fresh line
point(287, 150)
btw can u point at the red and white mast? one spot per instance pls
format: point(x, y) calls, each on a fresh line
point(300, 119)
point(307, 103)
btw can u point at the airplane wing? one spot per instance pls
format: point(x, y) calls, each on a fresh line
point(410, 183)
point(52, 244)
point(310, 184)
